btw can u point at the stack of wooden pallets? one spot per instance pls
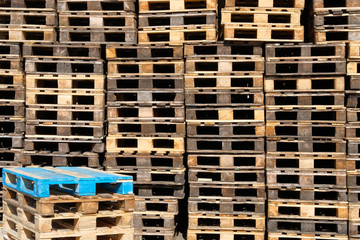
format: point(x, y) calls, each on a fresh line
point(99, 21)
point(67, 203)
point(146, 131)
point(306, 147)
point(225, 130)
point(28, 21)
point(65, 102)
point(262, 20)
point(12, 107)
point(353, 138)
point(336, 21)
point(177, 22)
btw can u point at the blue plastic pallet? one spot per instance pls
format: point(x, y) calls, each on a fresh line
point(75, 180)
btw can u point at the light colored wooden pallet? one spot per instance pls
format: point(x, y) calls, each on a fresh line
point(271, 16)
point(266, 3)
point(226, 222)
point(65, 82)
point(145, 144)
point(308, 210)
point(199, 65)
point(9, 65)
point(304, 51)
point(178, 37)
point(354, 210)
point(224, 83)
point(354, 229)
point(153, 6)
point(215, 115)
point(59, 51)
point(94, 7)
point(238, 32)
point(133, 129)
point(156, 206)
point(352, 68)
point(224, 235)
point(143, 52)
point(151, 233)
point(222, 161)
point(10, 50)
point(278, 236)
point(11, 80)
point(28, 35)
point(108, 21)
point(304, 84)
point(354, 51)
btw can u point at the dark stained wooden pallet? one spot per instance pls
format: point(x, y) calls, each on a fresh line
point(64, 146)
point(94, 7)
point(155, 129)
point(42, 5)
point(145, 83)
point(327, 195)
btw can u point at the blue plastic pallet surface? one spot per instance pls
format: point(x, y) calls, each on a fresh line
point(79, 181)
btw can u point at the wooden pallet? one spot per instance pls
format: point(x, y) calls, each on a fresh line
point(233, 65)
point(336, 147)
point(270, 16)
point(159, 192)
point(136, 68)
point(119, 162)
point(225, 115)
point(266, 3)
point(38, 158)
point(146, 98)
point(155, 176)
point(354, 210)
point(195, 98)
point(353, 179)
point(11, 157)
point(224, 83)
point(217, 176)
point(53, 66)
point(231, 146)
point(292, 68)
point(8, 126)
point(145, 83)
point(354, 229)
point(151, 234)
point(145, 144)
point(326, 6)
point(136, 129)
point(153, 6)
point(353, 83)
point(24, 19)
point(11, 141)
point(305, 162)
point(224, 235)
point(162, 221)
point(311, 195)
point(353, 148)
point(12, 95)
point(352, 101)
point(230, 191)
point(214, 206)
point(156, 206)
point(304, 131)
point(304, 51)
point(299, 100)
point(347, 20)
point(100, 36)
point(109, 6)
point(225, 130)
point(64, 115)
point(65, 98)
point(353, 51)
point(59, 51)
point(11, 80)
point(42, 5)
point(165, 20)
point(178, 36)
point(243, 161)
point(143, 52)
point(353, 195)
point(64, 131)
point(80, 205)
point(28, 35)
point(226, 222)
point(223, 49)
point(278, 236)
point(102, 21)
point(10, 50)
point(19, 231)
point(147, 114)
point(11, 65)
point(338, 35)
point(298, 226)
point(304, 84)
point(353, 68)
point(12, 111)
point(247, 32)
point(308, 210)
point(64, 146)
point(307, 179)
point(307, 115)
